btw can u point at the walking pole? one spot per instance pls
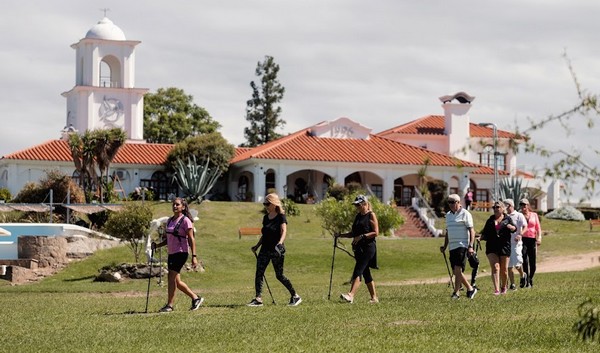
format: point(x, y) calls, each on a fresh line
point(267, 283)
point(161, 232)
point(332, 262)
point(149, 277)
point(448, 267)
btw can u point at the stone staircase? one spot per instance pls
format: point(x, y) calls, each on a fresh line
point(413, 226)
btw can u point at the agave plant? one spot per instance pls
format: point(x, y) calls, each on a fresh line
point(195, 180)
point(511, 188)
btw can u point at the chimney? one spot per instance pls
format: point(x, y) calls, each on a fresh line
point(456, 107)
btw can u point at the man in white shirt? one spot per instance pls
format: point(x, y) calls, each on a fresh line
point(460, 238)
point(516, 244)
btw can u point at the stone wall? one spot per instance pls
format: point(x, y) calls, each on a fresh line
point(48, 251)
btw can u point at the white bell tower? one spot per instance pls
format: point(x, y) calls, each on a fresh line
point(104, 95)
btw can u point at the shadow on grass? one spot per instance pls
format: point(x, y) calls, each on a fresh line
point(136, 312)
point(79, 279)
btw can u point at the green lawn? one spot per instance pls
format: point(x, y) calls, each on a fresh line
point(70, 313)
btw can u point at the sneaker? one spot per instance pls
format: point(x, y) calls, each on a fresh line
point(471, 293)
point(295, 300)
point(523, 281)
point(497, 292)
point(530, 282)
point(254, 302)
point(374, 301)
point(455, 296)
point(513, 287)
point(196, 303)
point(347, 298)
point(166, 309)
point(503, 290)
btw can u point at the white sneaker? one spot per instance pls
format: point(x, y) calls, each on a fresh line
point(347, 298)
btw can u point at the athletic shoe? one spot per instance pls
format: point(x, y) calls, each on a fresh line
point(373, 301)
point(166, 309)
point(497, 292)
point(295, 300)
point(455, 296)
point(347, 298)
point(471, 293)
point(503, 290)
point(513, 286)
point(523, 281)
point(530, 282)
point(196, 303)
point(255, 302)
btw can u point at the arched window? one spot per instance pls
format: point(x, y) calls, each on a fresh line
point(270, 180)
point(242, 189)
point(486, 158)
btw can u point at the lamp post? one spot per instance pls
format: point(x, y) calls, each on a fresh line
point(495, 128)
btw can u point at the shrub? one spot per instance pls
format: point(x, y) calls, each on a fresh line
point(338, 216)
point(290, 207)
point(338, 192)
point(5, 194)
point(588, 326)
point(567, 213)
point(130, 225)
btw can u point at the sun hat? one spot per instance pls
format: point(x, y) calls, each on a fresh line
point(273, 199)
point(524, 202)
point(509, 202)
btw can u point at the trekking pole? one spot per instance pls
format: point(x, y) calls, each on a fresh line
point(149, 277)
point(332, 262)
point(161, 233)
point(447, 267)
point(267, 283)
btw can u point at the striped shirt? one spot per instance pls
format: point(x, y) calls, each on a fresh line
point(458, 225)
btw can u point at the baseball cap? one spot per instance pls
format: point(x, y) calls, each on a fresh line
point(359, 199)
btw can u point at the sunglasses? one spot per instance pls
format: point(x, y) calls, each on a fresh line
point(266, 204)
point(452, 202)
point(496, 207)
point(176, 204)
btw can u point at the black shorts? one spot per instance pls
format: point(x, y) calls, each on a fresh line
point(458, 257)
point(176, 261)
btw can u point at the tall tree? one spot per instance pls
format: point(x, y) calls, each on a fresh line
point(262, 111)
point(170, 116)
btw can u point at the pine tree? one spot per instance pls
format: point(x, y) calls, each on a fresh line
point(262, 111)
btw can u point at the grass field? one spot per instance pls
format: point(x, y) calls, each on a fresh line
point(69, 312)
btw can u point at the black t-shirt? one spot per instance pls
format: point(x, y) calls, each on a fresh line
point(362, 225)
point(271, 231)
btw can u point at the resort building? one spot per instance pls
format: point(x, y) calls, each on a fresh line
point(389, 164)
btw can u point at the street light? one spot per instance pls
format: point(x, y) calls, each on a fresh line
point(495, 190)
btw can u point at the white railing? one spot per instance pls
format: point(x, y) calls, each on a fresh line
point(426, 213)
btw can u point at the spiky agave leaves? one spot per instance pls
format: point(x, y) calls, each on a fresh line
point(195, 180)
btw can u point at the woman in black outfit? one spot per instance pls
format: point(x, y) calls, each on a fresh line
point(364, 231)
point(273, 231)
point(497, 234)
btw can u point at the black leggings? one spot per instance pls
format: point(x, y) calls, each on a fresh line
point(264, 257)
point(363, 256)
point(529, 256)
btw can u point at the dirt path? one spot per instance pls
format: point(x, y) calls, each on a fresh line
point(568, 263)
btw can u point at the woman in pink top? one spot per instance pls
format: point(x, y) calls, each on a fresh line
point(180, 239)
point(532, 238)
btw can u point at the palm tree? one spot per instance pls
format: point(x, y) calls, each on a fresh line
point(107, 144)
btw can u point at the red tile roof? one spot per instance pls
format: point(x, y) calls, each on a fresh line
point(302, 146)
point(129, 153)
point(435, 125)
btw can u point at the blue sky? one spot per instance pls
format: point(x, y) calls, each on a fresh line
point(380, 63)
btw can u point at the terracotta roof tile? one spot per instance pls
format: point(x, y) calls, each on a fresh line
point(435, 125)
point(301, 146)
point(129, 153)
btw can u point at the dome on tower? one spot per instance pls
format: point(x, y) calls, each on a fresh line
point(105, 29)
